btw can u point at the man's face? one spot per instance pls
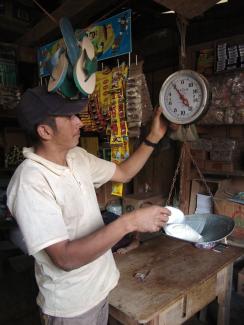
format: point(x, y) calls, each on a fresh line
point(67, 134)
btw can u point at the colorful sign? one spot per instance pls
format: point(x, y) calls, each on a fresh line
point(110, 37)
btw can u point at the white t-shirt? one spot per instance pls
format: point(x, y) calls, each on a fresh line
point(52, 203)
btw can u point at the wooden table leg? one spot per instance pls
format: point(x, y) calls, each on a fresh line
point(224, 285)
point(121, 317)
point(154, 321)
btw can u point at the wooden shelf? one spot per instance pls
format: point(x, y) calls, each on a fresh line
point(238, 173)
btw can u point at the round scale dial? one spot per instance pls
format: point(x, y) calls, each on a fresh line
point(184, 96)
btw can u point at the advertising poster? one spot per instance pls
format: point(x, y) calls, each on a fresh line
point(111, 37)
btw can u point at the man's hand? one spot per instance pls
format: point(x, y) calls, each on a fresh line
point(149, 219)
point(158, 128)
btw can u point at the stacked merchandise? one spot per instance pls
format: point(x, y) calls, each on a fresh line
point(217, 154)
point(106, 114)
point(89, 124)
point(232, 61)
point(221, 57)
point(9, 97)
point(227, 103)
point(97, 115)
point(138, 104)
point(9, 92)
point(116, 101)
point(100, 100)
point(8, 66)
point(229, 57)
point(241, 53)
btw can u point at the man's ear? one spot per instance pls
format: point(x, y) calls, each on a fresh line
point(45, 132)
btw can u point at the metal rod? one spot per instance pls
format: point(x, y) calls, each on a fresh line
point(46, 12)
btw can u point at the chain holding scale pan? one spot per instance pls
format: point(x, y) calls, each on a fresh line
point(185, 151)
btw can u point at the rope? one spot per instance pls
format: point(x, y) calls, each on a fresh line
point(175, 177)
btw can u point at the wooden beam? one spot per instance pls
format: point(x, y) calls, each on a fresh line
point(188, 8)
point(69, 9)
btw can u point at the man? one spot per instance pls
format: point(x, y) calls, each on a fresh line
point(52, 197)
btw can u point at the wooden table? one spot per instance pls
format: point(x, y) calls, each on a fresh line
point(166, 281)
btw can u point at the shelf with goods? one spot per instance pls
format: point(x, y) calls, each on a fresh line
point(220, 151)
point(203, 57)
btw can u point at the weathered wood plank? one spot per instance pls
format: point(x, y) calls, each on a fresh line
point(188, 8)
point(174, 269)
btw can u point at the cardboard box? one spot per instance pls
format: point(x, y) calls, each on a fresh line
point(138, 200)
point(219, 166)
point(233, 210)
point(240, 284)
point(104, 195)
point(197, 186)
point(223, 206)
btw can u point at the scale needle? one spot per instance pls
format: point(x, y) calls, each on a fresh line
point(182, 97)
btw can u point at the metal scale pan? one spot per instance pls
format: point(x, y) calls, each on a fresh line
point(212, 227)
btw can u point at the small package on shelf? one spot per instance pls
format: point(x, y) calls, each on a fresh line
point(219, 166)
point(214, 116)
point(229, 117)
point(225, 155)
point(227, 103)
point(202, 144)
point(238, 99)
point(224, 144)
point(239, 116)
point(238, 83)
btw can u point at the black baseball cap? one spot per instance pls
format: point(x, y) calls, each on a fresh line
point(37, 104)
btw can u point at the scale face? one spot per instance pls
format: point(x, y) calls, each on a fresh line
point(184, 96)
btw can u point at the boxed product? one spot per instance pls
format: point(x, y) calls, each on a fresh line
point(201, 144)
point(224, 206)
point(139, 200)
point(219, 166)
point(227, 155)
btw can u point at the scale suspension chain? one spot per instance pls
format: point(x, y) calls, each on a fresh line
point(175, 177)
point(185, 150)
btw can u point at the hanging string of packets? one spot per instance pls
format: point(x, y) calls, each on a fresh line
point(107, 109)
point(119, 139)
point(99, 101)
